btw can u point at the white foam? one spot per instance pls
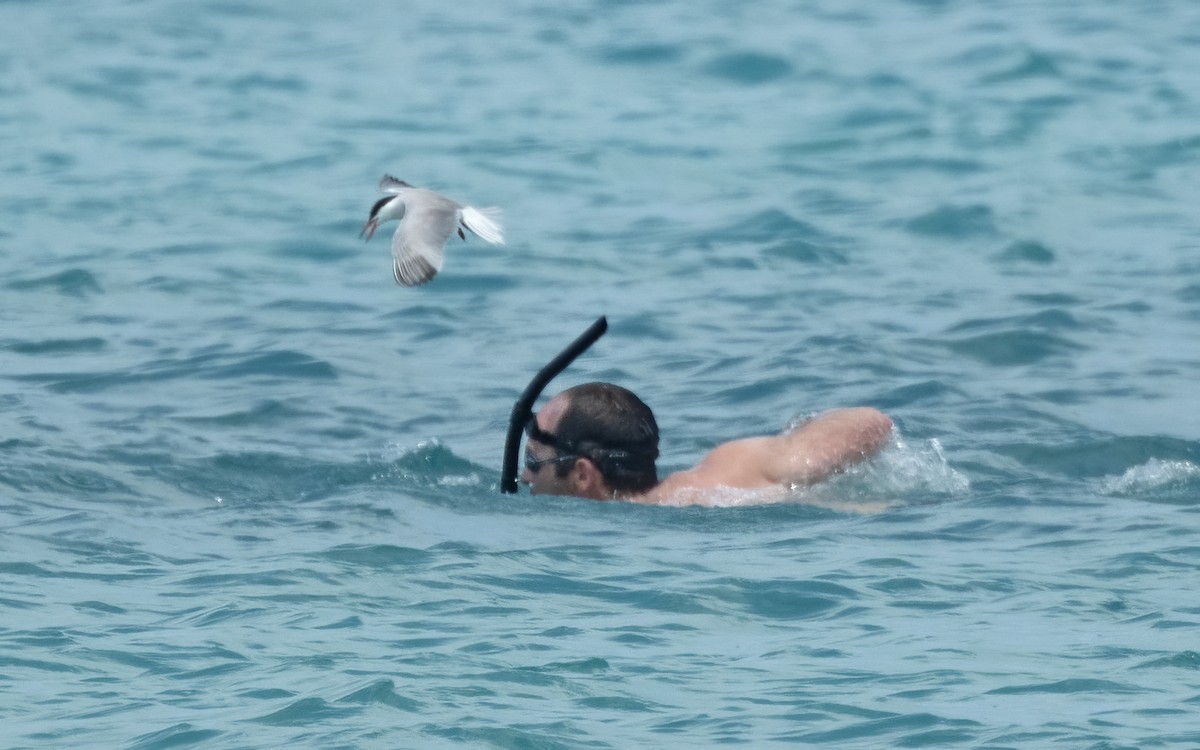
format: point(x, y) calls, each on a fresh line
point(461, 480)
point(1151, 475)
point(396, 451)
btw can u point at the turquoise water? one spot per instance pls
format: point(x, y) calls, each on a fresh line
point(248, 485)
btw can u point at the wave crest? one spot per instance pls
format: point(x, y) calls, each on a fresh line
point(1155, 474)
point(429, 463)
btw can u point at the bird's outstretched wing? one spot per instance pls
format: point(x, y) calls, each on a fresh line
point(419, 245)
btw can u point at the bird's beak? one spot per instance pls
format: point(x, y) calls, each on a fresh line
point(369, 228)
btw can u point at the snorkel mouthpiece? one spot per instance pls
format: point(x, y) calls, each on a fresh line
point(522, 410)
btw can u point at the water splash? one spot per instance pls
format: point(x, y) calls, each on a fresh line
point(903, 474)
point(1155, 474)
point(914, 467)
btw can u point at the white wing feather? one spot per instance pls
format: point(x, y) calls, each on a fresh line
point(484, 222)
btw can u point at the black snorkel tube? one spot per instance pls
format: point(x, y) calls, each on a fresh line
point(523, 409)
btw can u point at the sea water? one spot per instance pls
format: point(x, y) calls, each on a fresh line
point(249, 486)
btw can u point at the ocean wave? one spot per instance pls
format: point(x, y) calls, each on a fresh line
point(429, 462)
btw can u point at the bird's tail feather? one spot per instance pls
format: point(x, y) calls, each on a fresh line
point(484, 222)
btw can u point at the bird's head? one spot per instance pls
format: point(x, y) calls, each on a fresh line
point(381, 212)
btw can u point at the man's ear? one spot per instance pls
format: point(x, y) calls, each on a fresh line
point(588, 480)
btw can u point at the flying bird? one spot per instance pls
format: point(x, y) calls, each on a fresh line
point(427, 219)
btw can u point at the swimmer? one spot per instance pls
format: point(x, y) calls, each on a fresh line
point(600, 441)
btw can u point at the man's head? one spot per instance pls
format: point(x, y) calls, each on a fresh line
point(595, 440)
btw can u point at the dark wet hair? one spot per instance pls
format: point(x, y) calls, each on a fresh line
point(615, 430)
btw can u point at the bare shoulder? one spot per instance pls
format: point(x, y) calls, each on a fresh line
point(738, 463)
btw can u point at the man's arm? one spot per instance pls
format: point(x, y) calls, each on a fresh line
point(824, 445)
point(827, 444)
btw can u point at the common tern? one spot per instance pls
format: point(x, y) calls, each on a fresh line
point(427, 219)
